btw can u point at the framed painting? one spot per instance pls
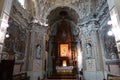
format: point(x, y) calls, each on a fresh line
point(63, 50)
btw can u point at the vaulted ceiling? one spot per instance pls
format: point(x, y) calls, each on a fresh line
point(62, 13)
point(62, 1)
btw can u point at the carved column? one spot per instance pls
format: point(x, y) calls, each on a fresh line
point(91, 50)
point(87, 46)
point(104, 67)
point(27, 49)
point(95, 43)
point(37, 63)
point(83, 38)
point(50, 63)
point(97, 50)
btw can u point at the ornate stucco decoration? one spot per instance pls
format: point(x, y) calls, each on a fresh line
point(88, 24)
point(61, 1)
point(44, 7)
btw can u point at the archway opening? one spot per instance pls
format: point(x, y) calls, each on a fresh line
point(62, 12)
point(63, 43)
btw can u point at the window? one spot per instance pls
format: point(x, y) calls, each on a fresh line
point(22, 2)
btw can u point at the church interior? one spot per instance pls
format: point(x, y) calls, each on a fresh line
point(59, 40)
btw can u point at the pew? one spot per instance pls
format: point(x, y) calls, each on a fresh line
point(21, 76)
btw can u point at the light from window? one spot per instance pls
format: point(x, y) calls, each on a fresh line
point(109, 22)
point(110, 33)
point(22, 2)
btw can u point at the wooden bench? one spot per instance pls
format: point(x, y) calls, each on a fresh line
point(113, 77)
point(21, 76)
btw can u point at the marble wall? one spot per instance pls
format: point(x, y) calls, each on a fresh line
point(93, 16)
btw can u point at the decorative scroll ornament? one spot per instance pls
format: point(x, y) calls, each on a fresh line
point(61, 1)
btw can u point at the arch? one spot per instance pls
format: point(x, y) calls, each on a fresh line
point(56, 6)
point(72, 25)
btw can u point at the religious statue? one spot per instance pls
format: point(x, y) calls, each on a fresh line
point(89, 51)
point(113, 56)
point(38, 53)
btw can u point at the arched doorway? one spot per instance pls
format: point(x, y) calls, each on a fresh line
point(63, 43)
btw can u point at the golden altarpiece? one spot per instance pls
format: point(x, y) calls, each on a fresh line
point(64, 51)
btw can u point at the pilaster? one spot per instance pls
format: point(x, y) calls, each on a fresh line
point(91, 52)
point(37, 52)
